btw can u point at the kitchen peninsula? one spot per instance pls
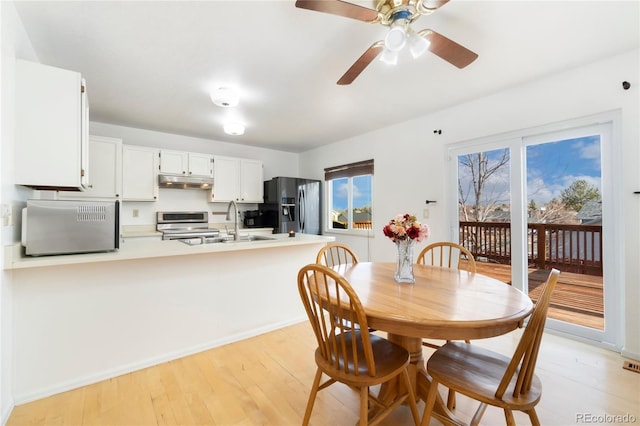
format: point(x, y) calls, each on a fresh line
point(83, 318)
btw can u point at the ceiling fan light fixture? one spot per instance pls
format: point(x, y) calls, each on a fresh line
point(418, 45)
point(396, 38)
point(389, 57)
point(234, 128)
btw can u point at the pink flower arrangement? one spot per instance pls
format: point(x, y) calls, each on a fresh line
point(405, 226)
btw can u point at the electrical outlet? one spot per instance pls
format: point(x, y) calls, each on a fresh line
point(425, 214)
point(136, 212)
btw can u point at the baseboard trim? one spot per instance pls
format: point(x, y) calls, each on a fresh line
point(129, 368)
point(633, 356)
point(6, 412)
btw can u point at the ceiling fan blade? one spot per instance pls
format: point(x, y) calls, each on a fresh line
point(340, 8)
point(427, 6)
point(362, 62)
point(448, 50)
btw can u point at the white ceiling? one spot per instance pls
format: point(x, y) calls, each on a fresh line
point(151, 64)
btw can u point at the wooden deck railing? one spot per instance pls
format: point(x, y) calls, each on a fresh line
point(362, 225)
point(570, 248)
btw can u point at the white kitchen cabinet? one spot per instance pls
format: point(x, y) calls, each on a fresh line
point(139, 173)
point(200, 164)
point(105, 163)
point(186, 163)
point(237, 179)
point(51, 133)
point(252, 184)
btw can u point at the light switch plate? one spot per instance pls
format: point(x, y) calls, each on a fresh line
point(425, 214)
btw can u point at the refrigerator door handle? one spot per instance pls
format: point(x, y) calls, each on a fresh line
point(301, 206)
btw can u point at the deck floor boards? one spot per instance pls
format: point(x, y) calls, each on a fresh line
point(578, 298)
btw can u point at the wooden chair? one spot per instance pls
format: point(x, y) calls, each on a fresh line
point(446, 255)
point(346, 355)
point(490, 377)
point(336, 254)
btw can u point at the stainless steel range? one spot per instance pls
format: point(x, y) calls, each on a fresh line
point(185, 226)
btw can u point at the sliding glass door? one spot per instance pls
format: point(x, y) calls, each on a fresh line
point(528, 203)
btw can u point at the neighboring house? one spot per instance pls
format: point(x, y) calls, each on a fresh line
point(361, 219)
point(590, 213)
point(499, 216)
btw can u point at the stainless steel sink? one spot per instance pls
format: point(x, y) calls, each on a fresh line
point(225, 239)
point(245, 238)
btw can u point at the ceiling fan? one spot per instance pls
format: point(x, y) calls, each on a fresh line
point(398, 16)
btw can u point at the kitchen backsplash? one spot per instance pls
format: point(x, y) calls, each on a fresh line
point(144, 213)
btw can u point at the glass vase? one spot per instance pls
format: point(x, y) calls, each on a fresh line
point(404, 268)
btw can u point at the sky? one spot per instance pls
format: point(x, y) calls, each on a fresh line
point(361, 192)
point(551, 168)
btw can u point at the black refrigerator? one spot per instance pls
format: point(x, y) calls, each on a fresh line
point(292, 204)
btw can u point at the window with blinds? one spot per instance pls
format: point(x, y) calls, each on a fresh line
point(349, 195)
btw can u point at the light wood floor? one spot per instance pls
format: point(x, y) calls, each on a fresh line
point(265, 381)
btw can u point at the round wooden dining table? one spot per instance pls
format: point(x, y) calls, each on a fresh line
point(443, 303)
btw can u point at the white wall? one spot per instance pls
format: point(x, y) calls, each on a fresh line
point(15, 43)
point(411, 163)
point(276, 163)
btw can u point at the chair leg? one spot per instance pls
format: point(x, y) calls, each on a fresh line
point(429, 403)
point(451, 400)
point(364, 406)
point(475, 421)
point(312, 397)
point(508, 414)
point(533, 416)
point(411, 396)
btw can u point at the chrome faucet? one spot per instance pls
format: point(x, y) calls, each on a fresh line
point(236, 234)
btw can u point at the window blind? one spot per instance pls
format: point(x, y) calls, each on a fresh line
point(349, 170)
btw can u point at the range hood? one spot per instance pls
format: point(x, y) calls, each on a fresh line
point(184, 182)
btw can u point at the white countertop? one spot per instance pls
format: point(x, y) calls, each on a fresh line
point(140, 248)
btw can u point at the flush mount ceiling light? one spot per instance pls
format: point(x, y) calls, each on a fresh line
point(234, 128)
point(225, 97)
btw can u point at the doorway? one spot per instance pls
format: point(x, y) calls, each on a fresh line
point(544, 199)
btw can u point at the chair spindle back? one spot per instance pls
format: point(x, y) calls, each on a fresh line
point(336, 254)
point(446, 255)
point(331, 303)
point(526, 353)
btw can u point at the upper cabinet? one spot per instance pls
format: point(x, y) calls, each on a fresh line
point(139, 173)
point(105, 163)
point(52, 118)
point(237, 179)
point(251, 181)
point(186, 163)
